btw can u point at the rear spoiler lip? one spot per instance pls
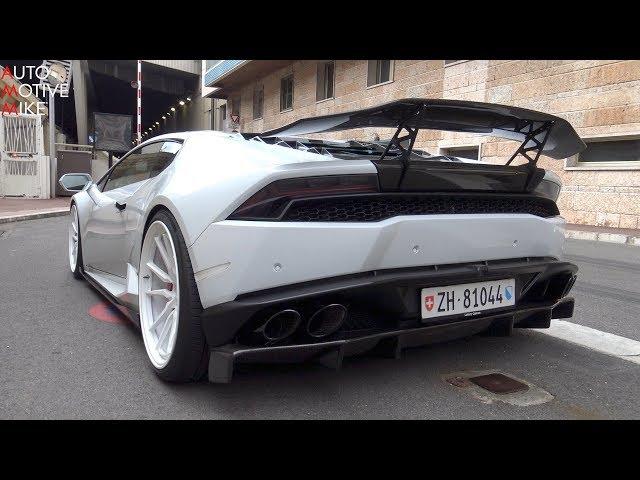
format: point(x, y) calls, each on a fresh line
point(447, 115)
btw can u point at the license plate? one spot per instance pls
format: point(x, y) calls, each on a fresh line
point(467, 298)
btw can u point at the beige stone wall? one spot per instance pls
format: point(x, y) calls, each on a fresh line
point(599, 97)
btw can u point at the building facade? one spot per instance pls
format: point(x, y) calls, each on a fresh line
point(601, 99)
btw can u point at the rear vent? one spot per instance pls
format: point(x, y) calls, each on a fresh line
point(373, 208)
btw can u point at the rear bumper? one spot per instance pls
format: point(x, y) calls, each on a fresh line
point(384, 311)
point(232, 257)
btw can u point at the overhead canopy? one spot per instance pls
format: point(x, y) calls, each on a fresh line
point(451, 115)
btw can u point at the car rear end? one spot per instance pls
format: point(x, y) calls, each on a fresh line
point(317, 266)
point(479, 260)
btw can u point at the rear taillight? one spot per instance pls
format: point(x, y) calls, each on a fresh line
point(270, 202)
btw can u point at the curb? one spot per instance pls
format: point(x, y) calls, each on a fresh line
point(603, 237)
point(34, 216)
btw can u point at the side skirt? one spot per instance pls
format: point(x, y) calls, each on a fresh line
point(122, 301)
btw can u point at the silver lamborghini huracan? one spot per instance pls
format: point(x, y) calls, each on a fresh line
point(278, 247)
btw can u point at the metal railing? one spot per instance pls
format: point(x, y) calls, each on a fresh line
point(24, 169)
point(21, 135)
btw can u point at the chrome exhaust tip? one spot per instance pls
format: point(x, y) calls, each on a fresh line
point(326, 320)
point(279, 326)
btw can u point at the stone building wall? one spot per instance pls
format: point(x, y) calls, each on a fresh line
point(601, 99)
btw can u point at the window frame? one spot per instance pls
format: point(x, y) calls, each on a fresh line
point(453, 62)
point(386, 82)
point(324, 63)
point(131, 152)
point(290, 75)
point(451, 149)
point(256, 89)
point(235, 99)
point(574, 163)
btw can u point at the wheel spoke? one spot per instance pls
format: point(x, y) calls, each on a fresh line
point(161, 274)
point(163, 253)
point(166, 328)
point(168, 308)
point(167, 244)
point(161, 292)
point(173, 332)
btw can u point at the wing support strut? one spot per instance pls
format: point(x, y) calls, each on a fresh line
point(532, 146)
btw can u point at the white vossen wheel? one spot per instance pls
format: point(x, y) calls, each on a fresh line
point(159, 292)
point(74, 235)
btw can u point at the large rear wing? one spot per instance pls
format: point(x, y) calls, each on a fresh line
point(539, 133)
point(559, 137)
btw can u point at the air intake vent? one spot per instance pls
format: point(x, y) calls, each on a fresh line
point(373, 208)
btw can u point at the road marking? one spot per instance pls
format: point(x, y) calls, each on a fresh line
point(588, 337)
point(105, 312)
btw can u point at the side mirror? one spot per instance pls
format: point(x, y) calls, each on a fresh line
point(74, 182)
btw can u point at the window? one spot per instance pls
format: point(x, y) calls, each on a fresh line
point(379, 72)
point(471, 153)
point(142, 164)
point(258, 102)
point(235, 106)
point(611, 151)
point(452, 62)
point(222, 112)
point(325, 80)
point(286, 93)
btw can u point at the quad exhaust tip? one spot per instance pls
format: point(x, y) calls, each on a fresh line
point(280, 325)
point(326, 320)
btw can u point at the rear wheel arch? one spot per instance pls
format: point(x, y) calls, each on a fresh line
point(167, 207)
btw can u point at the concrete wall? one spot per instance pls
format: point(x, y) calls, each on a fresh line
point(601, 98)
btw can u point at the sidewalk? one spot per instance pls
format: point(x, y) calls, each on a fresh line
point(16, 209)
point(630, 236)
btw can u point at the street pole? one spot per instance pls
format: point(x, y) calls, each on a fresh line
point(53, 162)
point(139, 101)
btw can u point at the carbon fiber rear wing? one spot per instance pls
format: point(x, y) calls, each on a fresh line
point(539, 133)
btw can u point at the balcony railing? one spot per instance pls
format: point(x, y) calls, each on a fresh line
point(220, 69)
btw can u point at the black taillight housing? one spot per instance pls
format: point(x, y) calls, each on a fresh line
point(270, 202)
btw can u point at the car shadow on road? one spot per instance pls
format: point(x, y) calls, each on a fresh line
point(414, 387)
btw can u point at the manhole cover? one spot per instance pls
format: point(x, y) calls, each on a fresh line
point(499, 383)
point(460, 382)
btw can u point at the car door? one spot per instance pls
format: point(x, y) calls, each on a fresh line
point(105, 248)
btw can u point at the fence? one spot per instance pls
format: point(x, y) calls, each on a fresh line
point(24, 169)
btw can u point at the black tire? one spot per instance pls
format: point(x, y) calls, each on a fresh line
point(189, 360)
point(77, 273)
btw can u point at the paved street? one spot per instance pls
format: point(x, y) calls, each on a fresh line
point(57, 361)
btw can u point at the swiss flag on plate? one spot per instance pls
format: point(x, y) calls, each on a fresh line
point(428, 302)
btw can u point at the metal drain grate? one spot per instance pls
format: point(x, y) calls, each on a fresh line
point(499, 383)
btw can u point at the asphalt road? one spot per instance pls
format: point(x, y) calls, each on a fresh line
point(57, 361)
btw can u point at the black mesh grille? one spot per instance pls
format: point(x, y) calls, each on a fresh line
point(380, 207)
